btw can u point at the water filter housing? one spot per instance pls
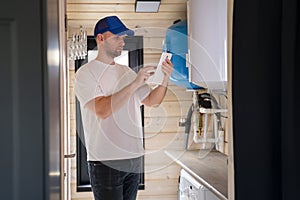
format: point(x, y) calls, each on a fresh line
point(176, 42)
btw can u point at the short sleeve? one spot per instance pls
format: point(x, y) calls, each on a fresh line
point(142, 92)
point(86, 86)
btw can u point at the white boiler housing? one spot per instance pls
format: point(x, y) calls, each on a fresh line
point(207, 31)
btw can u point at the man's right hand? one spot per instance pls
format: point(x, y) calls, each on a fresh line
point(143, 74)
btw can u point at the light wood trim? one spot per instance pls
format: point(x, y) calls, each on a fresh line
point(229, 127)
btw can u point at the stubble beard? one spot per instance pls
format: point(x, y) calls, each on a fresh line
point(116, 53)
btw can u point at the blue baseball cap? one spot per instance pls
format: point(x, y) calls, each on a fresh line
point(112, 24)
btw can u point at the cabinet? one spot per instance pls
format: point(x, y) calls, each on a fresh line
point(207, 33)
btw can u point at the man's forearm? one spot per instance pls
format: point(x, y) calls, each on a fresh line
point(156, 96)
point(105, 106)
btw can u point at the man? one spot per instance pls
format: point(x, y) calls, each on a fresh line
point(110, 97)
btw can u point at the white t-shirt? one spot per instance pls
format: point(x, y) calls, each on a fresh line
point(119, 136)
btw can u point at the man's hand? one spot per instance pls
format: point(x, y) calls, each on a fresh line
point(167, 68)
point(143, 74)
point(157, 95)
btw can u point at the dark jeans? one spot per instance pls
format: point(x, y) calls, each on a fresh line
point(115, 179)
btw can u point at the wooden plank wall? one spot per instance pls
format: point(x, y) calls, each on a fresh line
point(151, 25)
point(161, 124)
point(162, 130)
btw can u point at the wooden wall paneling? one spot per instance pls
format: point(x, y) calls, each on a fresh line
point(160, 169)
point(162, 129)
point(124, 16)
point(119, 8)
point(169, 172)
point(151, 57)
point(159, 189)
point(168, 109)
point(122, 1)
point(154, 125)
point(88, 24)
point(165, 197)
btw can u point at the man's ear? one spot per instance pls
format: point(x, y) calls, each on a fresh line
point(99, 37)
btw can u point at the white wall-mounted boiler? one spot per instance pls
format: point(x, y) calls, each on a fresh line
point(207, 33)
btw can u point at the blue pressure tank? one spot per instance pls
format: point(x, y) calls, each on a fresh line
point(176, 42)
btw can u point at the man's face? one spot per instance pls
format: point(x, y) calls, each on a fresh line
point(113, 44)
